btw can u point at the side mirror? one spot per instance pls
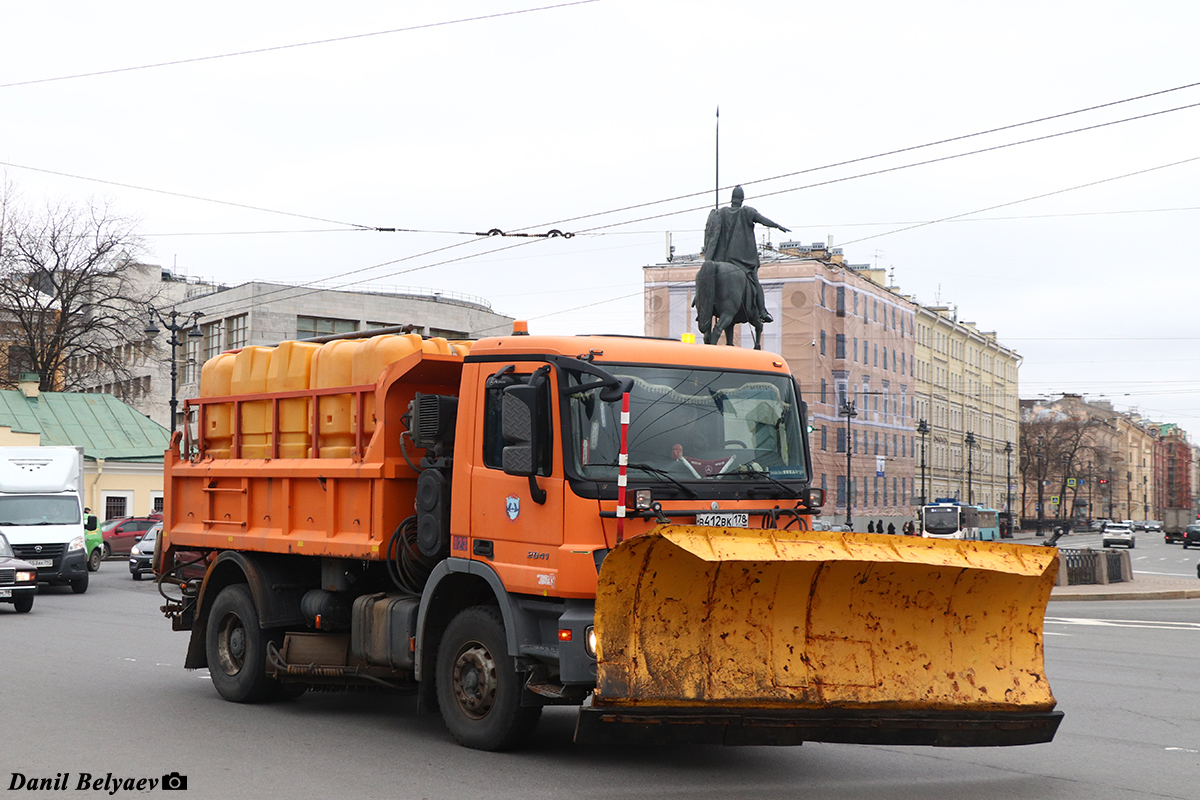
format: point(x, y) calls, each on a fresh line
point(91, 524)
point(519, 426)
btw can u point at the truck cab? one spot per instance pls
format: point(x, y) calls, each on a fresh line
point(41, 511)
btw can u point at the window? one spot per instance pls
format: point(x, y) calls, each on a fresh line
point(841, 302)
point(841, 490)
point(190, 369)
point(212, 340)
point(840, 346)
point(824, 438)
point(19, 360)
point(877, 354)
point(841, 440)
point(822, 341)
point(856, 302)
point(308, 327)
point(823, 387)
point(446, 333)
point(235, 332)
point(885, 357)
point(115, 507)
point(856, 349)
point(493, 438)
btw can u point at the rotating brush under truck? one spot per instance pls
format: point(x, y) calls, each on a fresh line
point(451, 518)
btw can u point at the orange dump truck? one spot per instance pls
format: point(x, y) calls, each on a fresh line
point(443, 517)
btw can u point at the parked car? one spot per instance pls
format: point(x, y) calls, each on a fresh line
point(18, 579)
point(1118, 533)
point(120, 534)
point(1191, 536)
point(141, 555)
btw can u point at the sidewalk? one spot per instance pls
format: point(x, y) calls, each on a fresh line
point(1142, 587)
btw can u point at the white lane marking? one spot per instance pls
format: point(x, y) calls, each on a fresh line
point(1166, 574)
point(1055, 633)
point(1127, 623)
point(1181, 750)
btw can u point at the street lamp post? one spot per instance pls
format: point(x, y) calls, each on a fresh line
point(1062, 500)
point(848, 411)
point(171, 322)
point(923, 429)
point(1041, 489)
point(970, 442)
point(1008, 451)
point(1110, 511)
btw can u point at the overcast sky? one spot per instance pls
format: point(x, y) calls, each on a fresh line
point(454, 120)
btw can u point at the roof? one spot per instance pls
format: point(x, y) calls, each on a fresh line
point(99, 423)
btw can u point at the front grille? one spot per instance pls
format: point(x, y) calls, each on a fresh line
point(28, 551)
point(8, 576)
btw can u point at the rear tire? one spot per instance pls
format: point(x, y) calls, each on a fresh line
point(79, 585)
point(94, 559)
point(237, 647)
point(23, 604)
point(478, 688)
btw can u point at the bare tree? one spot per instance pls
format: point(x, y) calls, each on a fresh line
point(70, 307)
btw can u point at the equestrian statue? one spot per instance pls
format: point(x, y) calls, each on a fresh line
point(727, 286)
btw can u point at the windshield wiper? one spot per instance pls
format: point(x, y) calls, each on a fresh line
point(762, 473)
point(656, 471)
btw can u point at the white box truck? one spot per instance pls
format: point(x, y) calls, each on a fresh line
point(41, 511)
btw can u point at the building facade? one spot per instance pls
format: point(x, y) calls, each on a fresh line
point(967, 396)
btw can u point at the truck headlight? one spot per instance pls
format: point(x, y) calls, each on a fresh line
point(26, 576)
point(76, 544)
point(590, 641)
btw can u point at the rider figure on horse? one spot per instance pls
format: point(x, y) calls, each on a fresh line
point(729, 236)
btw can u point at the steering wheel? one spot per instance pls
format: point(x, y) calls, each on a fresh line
point(735, 441)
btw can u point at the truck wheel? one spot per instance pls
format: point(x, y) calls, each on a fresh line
point(237, 647)
point(478, 687)
point(94, 559)
point(23, 604)
point(80, 584)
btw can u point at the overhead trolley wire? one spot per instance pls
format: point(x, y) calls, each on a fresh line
point(293, 46)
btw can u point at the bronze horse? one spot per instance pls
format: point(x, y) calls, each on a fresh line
point(724, 291)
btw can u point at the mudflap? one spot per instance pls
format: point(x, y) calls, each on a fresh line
point(744, 636)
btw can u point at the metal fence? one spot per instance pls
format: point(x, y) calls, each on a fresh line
point(1082, 565)
point(1114, 566)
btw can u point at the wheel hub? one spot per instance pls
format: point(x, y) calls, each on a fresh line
point(231, 644)
point(474, 680)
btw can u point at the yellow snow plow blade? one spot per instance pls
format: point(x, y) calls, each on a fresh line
point(779, 637)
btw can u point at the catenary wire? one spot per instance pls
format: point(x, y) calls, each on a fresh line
point(295, 45)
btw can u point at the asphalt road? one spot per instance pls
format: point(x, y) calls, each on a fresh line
point(93, 683)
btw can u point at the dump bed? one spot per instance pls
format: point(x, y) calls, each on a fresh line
point(297, 448)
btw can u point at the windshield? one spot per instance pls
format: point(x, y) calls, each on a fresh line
point(941, 520)
point(5, 549)
point(39, 510)
point(691, 424)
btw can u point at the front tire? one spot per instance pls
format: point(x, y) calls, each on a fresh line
point(23, 604)
point(237, 647)
point(478, 687)
point(80, 584)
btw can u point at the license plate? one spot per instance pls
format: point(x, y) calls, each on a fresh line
point(723, 520)
point(5, 592)
point(41, 562)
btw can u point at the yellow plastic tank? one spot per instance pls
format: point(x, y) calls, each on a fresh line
point(333, 366)
point(250, 368)
point(290, 371)
point(215, 377)
point(370, 359)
